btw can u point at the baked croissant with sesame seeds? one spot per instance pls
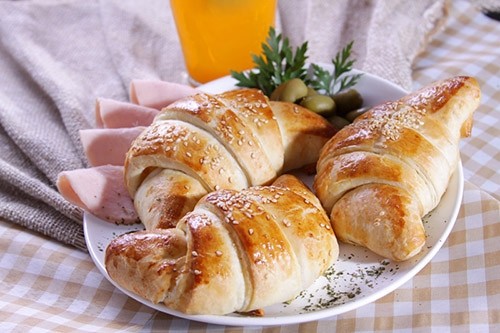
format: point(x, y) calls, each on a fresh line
point(205, 142)
point(237, 251)
point(379, 176)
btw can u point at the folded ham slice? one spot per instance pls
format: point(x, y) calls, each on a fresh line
point(158, 94)
point(110, 113)
point(108, 145)
point(100, 191)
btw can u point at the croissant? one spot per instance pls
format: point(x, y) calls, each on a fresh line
point(380, 175)
point(237, 251)
point(204, 142)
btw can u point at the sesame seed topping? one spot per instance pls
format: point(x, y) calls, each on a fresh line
point(194, 253)
point(218, 253)
point(197, 272)
point(390, 125)
point(250, 231)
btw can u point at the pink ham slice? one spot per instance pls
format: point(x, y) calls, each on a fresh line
point(100, 191)
point(114, 114)
point(158, 94)
point(108, 145)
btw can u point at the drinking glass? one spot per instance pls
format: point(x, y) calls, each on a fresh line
point(221, 35)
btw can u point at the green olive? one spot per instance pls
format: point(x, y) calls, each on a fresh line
point(321, 104)
point(276, 94)
point(347, 101)
point(355, 113)
point(294, 90)
point(311, 92)
point(338, 122)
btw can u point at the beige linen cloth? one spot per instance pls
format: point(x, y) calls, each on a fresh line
point(57, 57)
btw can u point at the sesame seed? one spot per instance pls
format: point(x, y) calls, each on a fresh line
point(218, 253)
point(250, 231)
point(197, 272)
point(194, 253)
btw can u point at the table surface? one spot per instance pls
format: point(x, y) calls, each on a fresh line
point(49, 287)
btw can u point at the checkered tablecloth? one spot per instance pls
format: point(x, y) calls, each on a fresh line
point(50, 287)
point(470, 45)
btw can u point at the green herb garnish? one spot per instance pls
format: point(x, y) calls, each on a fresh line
point(332, 83)
point(279, 63)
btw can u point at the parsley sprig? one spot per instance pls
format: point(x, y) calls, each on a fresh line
point(332, 83)
point(280, 63)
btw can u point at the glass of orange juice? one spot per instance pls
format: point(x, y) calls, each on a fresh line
point(221, 35)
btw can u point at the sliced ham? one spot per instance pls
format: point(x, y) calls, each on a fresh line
point(114, 114)
point(104, 146)
point(100, 191)
point(157, 94)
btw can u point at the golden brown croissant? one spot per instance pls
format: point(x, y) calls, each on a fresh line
point(236, 251)
point(379, 176)
point(204, 142)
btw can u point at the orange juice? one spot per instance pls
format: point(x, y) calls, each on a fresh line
point(221, 35)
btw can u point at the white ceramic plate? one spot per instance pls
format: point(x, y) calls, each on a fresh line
point(358, 278)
